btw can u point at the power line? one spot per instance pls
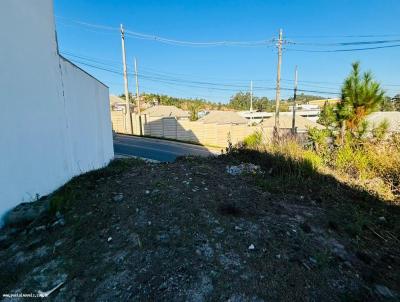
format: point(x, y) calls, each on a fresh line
point(144, 36)
point(346, 43)
point(87, 24)
point(343, 36)
point(90, 59)
point(265, 42)
point(151, 71)
point(198, 84)
point(171, 77)
point(343, 50)
point(193, 43)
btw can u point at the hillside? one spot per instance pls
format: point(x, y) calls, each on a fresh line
point(190, 231)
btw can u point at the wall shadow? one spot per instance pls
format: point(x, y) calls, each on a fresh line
point(366, 225)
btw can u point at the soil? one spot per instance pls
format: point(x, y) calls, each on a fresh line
point(190, 231)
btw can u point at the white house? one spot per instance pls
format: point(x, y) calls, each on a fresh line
point(309, 111)
point(54, 117)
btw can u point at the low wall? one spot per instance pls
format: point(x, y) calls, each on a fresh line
point(184, 130)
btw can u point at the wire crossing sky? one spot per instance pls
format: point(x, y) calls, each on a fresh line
point(212, 49)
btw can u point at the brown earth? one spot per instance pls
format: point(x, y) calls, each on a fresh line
point(189, 231)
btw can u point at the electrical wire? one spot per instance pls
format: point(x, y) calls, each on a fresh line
point(343, 50)
point(200, 85)
point(152, 74)
point(256, 43)
point(144, 36)
point(347, 43)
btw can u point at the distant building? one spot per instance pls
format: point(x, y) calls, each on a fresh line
point(166, 111)
point(310, 111)
point(223, 117)
point(285, 122)
point(119, 104)
point(255, 116)
point(321, 103)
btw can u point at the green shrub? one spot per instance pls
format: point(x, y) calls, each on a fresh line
point(298, 161)
point(362, 130)
point(352, 161)
point(374, 167)
point(313, 158)
point(253, 141)
point(318, 136)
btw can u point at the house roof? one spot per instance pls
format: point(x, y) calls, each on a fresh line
point(166, 111)
point(285, 122)
point(393, 117)
point(223, 117)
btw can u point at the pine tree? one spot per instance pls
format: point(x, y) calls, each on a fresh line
point(361, 95)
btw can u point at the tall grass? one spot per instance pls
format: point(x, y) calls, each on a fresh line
point(372, 164)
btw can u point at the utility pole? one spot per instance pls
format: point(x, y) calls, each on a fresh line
point(251, 101)
point(278, 84)
point(137, 87)
point(137, 97)
point(128, 118)
point(294, 102)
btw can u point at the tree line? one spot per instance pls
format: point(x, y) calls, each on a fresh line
point(241, 101)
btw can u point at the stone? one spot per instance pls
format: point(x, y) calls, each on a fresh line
point(251, 247)
point(384, 291)
point(59, 222)
point(244, 168)
point(40, 228)
point(118, 197)
point(59, 215)
point(25, 213)
point(313, 260)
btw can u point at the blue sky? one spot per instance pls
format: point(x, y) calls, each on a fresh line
point(163, 65)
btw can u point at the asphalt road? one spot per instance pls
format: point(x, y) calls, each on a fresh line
point(156, 149)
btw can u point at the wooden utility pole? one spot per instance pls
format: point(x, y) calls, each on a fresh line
point(128, 117)
point(251, 101)
point(137, 88)
point(278, 84)
point(294, 102)
point(138, 97)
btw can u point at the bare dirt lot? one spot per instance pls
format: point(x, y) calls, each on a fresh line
point(190, 231)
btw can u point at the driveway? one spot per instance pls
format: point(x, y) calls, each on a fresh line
point(157, 149)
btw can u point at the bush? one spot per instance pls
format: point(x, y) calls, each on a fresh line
point(318, 137)
point(375, 167)
point(352, 161)
point(314, 159)
point(385, 164)
point(253, 141)
point(298, 161)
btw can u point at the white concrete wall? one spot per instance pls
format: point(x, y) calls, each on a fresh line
point(54, 118)
point(88, 119)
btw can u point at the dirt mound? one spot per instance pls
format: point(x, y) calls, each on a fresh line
point(190, 231)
